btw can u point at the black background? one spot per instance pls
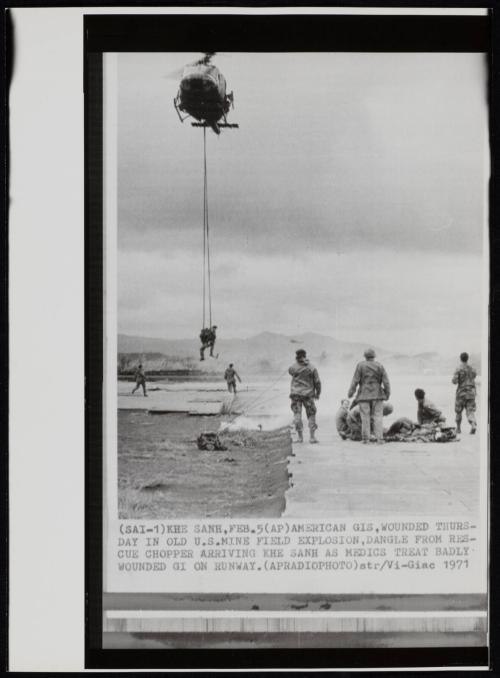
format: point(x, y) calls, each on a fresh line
point(251, 33)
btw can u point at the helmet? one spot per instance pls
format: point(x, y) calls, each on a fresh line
point(369, 353)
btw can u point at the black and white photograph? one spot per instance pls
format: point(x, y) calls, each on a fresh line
point(251, 317)
point(296, 348)
point(300, 284)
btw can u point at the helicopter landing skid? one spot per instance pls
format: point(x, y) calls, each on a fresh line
point(219, 124)
point(178, 112)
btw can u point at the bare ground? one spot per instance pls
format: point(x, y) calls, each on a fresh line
point(162, 473)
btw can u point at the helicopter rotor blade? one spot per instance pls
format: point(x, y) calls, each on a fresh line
point(178, 72)
point(207, 58)
point(175, 74)
point(205, 61)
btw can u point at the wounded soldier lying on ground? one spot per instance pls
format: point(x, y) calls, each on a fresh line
point(403, 430)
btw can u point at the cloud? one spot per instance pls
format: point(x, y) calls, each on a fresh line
point(354, 150)
point(404, 302)
point(351, 200)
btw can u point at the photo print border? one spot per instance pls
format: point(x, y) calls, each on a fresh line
point(263, 33)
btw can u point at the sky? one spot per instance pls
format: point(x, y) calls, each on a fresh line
point(350, 201)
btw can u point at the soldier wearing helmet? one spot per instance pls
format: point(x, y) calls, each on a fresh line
point(372, 382)
point(305, 389)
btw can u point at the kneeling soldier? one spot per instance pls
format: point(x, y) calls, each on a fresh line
point(427, 412)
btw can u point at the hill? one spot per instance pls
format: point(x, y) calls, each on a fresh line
point(269, 352)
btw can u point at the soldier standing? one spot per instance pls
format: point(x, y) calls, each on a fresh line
point(465, 398)
point(374, 387)
point(230, 375)
point(355, 422)
point(140, 380)
point(305, 389)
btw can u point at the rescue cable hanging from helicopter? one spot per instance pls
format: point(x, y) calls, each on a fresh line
point(207, 274)
point(202, 95)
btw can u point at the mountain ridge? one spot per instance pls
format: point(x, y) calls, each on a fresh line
point(268, 351)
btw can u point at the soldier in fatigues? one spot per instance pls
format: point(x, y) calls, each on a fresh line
point(465, 398)
point(374, 388)
point(230, 375)
point(402, 426)
point(355, 421)
point(208, 336)
point(341, 419)
point(427, 412)
point(304, 390)
point(140, 380)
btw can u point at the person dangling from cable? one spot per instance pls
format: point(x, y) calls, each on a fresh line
point(207, 334)
point(207, 338)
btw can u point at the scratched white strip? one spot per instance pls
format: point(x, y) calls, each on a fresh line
point(305, 624)
point(277, 614)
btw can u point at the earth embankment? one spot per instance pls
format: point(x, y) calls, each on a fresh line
point(162, 473)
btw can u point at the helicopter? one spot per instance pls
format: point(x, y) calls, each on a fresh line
point(202, 95)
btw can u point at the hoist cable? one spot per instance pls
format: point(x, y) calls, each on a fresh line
point(209, 273)
point(204, 228)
